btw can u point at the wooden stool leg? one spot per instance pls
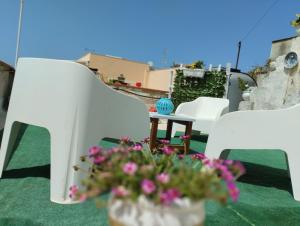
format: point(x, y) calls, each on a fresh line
point(169, 130)
point(188, 131)
point(153, 133)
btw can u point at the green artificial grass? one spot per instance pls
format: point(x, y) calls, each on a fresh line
point(266, 193)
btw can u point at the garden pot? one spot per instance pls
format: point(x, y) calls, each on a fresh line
point(144, 212)
point(138, 84)
point(193, 72)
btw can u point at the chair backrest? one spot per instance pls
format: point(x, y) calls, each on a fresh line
point(46, 90)
point(211, 107)
point(77, 109)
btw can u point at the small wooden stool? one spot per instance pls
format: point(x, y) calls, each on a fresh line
point(188, 122)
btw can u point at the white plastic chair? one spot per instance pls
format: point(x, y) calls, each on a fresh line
point(206, 110)
point(260, 129)
point(77, 109)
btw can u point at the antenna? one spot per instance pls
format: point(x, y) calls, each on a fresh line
point(19, 32)
point(164, 59)
point(238, 55)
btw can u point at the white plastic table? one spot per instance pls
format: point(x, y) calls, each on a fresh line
point(184, 120)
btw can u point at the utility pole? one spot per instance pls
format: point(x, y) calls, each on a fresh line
point(19, 32)
point(238, 55)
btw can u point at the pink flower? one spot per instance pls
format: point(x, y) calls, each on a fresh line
point(184, 137)
point(146, 140)
point(181, 156)
point(223, 169)
point(73, 190)
point(167, 150)
point(148, 186)
point(94, 150)
point(130, 168)
point(99, 159)
point(163, 178)
point(165, 141)
point(234, 192)
point(127, 149)
point(125, 139)
point(207, 162)
point(226, 174)
point(113, 150)
point(239, 167)
point(228, 161)
point(82, 197)
point(120, 191)
point(199, 156)
point(173, 192)
point(137, 147)
point(169, 196)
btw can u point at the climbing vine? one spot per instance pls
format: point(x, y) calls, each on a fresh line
point(190, 88)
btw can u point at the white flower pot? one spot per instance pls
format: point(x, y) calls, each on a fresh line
point(144, 212)
point(193, 72)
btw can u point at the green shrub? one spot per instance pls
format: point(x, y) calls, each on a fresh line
point(189, 88)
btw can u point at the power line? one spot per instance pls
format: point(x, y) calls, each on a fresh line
point(252, 29)
point(260, 20)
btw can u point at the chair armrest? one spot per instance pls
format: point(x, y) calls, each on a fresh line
point(222, 111)
point(251, 118)
point(186, 108)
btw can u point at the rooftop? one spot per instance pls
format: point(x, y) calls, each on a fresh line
point(266, 196)
point(114, 57)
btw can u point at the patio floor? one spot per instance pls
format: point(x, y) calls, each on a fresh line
point(266, 197)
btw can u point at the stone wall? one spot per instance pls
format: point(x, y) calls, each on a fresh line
point(280, 87)
point(281, 47)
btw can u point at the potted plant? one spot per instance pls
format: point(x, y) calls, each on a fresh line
point(296, 23)
point(153, 189)
point(195, 69)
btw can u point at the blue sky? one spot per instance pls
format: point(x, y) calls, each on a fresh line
point(161, 31)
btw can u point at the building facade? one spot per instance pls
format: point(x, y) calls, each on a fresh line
point(110, 67)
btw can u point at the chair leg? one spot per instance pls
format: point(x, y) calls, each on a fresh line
point(213, 150)
point(63, 153)
point(174, 128)
point(287, 163)
point(169, 130)
point(224, 154)
point(9, 138)
point(294, 169)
